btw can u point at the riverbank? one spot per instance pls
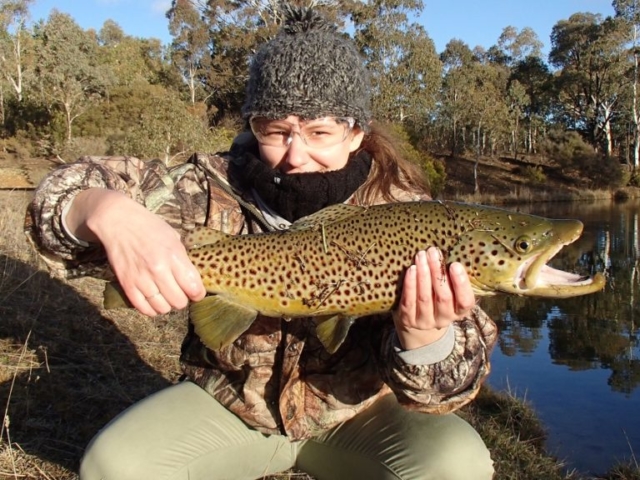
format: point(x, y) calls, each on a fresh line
point(505, 181)
point(67, 367)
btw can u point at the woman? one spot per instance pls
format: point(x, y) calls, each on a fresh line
point(377, 408)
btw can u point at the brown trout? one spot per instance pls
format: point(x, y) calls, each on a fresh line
point(346, 262)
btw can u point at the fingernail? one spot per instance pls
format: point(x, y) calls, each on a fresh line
point(458, 270)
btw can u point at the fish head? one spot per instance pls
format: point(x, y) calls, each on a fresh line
point(509, 253)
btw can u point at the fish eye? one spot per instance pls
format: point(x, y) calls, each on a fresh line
point(523, 244)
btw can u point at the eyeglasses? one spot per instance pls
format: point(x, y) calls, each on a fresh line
point(318, 133)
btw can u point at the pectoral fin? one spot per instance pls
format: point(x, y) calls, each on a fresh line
point(201, 236)
point(333, 330)
point(114, 297)
point(218, 322)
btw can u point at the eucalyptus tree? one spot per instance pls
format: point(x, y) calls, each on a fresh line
point(487, 110)
point(628, 11)
point(516, 49)
point(234, 29)
point(130, 59)
point(533, 74)
point(457, 60)
point(589, 54)
point(13, 34)
point(190, 45)
point(517, 103)
point(515, 46)
point(401, 58)
point(163, 126)
point(70, 75)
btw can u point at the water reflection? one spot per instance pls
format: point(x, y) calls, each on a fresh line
point(584, 351)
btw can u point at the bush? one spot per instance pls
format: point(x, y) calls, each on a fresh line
point(535, 174)
point(19, 146)
point(79, 146)
point(565, 148)
point(577, 158)
point(433, 170)
point(436, 174)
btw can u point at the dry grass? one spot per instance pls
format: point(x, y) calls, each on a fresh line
point(67, 368)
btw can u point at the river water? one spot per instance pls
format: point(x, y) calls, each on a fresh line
point(577, 361)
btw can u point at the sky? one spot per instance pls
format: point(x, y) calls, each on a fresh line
point(475, 22)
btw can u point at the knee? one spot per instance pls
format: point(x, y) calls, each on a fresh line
point(460, 457)
point(106, 458)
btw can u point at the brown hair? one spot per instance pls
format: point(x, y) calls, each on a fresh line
point(390, 171)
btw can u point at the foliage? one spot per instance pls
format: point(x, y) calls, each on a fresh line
point(535, 174)
point(634, 180)
point(574, 156)
point(190, 46)
point(565, 148)
point(433, 169)
point(401, 58)
point(64, 83)
point(70, 77)
point(589, 52)
point(166, 127)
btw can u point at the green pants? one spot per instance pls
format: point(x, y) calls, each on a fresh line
point(182, 433)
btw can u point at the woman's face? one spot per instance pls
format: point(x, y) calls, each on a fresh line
point(282, 147)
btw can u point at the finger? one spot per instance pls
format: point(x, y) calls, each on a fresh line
point(404, 315)
point(424, 301)
point(182, 283)
point(140, 302)
point(159, 303)
point(443, 295)
point(465, 298)
point(188, 278)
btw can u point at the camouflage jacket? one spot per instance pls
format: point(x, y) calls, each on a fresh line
point(276, 376)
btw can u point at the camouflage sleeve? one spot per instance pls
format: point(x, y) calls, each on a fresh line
point(447, 385)
point(167, 192)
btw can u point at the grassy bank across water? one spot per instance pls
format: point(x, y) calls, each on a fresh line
point(67, 367)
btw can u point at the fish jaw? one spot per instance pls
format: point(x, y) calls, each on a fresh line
point(536, 278)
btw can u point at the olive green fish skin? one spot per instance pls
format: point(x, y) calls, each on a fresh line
point(352, 264)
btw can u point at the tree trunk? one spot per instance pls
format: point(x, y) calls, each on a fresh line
point(67, 112)
point(2, 118)
point(476, 185)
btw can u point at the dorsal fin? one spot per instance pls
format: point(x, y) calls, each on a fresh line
point(327, 216)
point(200, 236)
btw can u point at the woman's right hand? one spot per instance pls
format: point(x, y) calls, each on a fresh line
point(145, 252)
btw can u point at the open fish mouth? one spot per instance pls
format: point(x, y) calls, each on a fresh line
point(536, 278)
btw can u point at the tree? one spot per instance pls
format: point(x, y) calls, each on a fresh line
point(190, 46)
point(534, 76)
point(589, 53)
point(628, 11)
point(402, 59)
point(13, 17)
point(517, 103)
point(457, 60)
point(514, 46)
point(129, 59)
point(486, 107)
point(163, 126)
point(68, 68)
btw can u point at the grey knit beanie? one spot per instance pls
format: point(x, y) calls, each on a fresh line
point(309, 70)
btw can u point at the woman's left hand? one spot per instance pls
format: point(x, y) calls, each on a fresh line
point(432, 298)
